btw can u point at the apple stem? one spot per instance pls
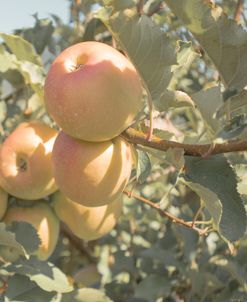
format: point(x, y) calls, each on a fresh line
point(22, 165)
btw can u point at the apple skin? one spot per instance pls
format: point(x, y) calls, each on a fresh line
point(86, 222)
point(25, 161)
point(92, 174)
point(3, 202)
point(43, 219)
point(92, 91)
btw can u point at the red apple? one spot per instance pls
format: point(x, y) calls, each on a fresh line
point(86, 222)
point(25, 161)
point(92, 174)
point(92, 91)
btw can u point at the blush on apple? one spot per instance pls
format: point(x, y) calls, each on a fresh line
point(92, 91)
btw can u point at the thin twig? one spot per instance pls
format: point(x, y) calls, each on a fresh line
point(209, 152)
point(140, 138)
point(166, 214)
point(198, 212)
point(202, 222)
point(239, 10)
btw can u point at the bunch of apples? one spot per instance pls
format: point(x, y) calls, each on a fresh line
point(93, 93)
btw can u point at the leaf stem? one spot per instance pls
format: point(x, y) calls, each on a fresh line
point(198, 212)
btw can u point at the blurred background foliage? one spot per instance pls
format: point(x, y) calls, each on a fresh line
point(146, 258)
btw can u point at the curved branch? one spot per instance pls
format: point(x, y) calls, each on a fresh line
point(202, 150)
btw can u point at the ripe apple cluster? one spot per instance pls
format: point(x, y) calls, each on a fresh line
point(93, 93)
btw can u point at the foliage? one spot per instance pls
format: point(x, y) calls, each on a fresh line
point(191, 56)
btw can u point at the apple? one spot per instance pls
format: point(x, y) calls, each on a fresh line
point(86, 222)
point(3, 202)
point(92, 174)
point(92, 91)
point(43, 219)
point(25, 161)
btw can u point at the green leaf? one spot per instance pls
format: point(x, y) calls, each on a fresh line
point(165, 257)
point(208, 102)
point(175, 157)
point(222, 38)
point(143, 166)
point(14, 77)
point(44, 274)
point(185, 57)
point(204, 283)
point(22, 49)
point(20, 288)
point(123, 263)
point(84, 295)
point(235, 128)
point(153, 287)
point(39, 35)
point(190, 242)
point(7, 60)
point(235, 103)
point(210, 199)
point(236, 270)
point(149, 49)
point(119, 4)
point(93, 26)
point(26, 235)
point(33, 75)
point(241, 170)
point(8, 239)
point(173, 99)
point(215, 181)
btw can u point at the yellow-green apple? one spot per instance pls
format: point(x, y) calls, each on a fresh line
point(86, 222)
point(92, 91)
point(92, 174)
point(25, 161)
point(43, 219)
point(3, 202)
